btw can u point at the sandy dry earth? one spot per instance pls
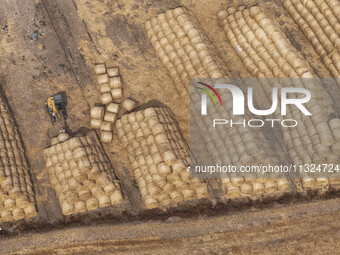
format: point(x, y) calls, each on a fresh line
point(73, 36)
point(310, 228)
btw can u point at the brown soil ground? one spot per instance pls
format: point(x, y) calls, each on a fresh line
point(73, 35)
point(308, 228)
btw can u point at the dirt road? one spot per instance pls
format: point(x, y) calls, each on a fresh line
point(307, 228)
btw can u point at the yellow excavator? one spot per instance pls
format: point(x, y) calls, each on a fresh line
point(56, 108)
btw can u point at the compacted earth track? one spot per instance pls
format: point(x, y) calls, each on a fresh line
point(302, 228)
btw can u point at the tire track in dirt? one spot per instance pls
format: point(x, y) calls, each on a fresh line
point(272, 231)
point(62, 40)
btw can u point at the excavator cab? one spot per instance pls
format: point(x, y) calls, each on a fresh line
point(56, 108)
point(60, 106)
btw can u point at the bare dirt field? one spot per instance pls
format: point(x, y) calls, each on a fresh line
point(307, 228)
